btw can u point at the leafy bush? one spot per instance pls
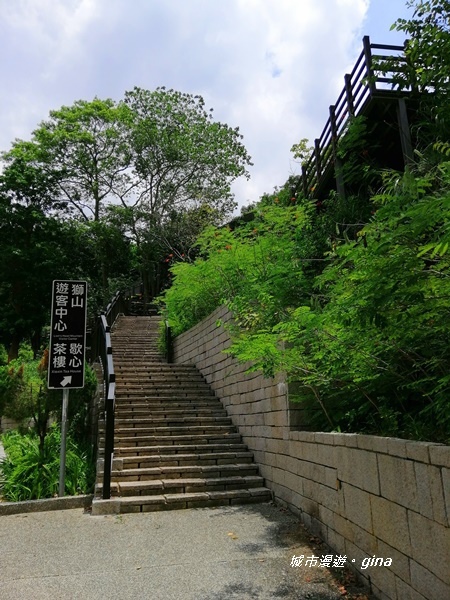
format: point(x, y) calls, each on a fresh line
point(245, 268)
point(28, 473)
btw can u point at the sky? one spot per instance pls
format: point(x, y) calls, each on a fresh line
point(270, 67)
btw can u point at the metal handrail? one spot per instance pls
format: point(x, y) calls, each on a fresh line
point(104, 352)
point(368, 79)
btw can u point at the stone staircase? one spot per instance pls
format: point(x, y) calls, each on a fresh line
point(174, 446)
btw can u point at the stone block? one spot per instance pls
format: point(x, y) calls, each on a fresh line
point(358, 467)
point(357, 506)
point(400, 562)
point(406, 592)
point(383, 578)
point(390, 523)
point(424, 500)
point(446, 486)
point(398, 481)
point(430, 543)
point(306, 436)
point(326, 516)
point(418, 451)
point(309, 452)
point(373, 442)
point(277, 418)
point(326, 454)
point(343, 527)
point(293, 482)
point(396, 447)
point(440, 455)
point(427, 584)
point(332, 499)
point(336, 541)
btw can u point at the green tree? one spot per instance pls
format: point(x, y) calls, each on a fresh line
point(83, 149)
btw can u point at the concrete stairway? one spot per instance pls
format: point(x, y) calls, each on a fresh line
point(175, 446)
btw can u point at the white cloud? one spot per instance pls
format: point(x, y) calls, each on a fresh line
point(270, 67)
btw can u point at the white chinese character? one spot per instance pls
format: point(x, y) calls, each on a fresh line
point(312, 560)
point(75, 362)
point(59, 349)
point(326, 560)
point(339, 561)
point(61, 300)
point(62, 288)
point(77, 289)
point(297, 560)
point(60, 326)
point(61, 312)
point(75, 348)
point(77, 302)
point(59, 362)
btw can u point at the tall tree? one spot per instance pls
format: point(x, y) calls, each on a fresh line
point(84, 149)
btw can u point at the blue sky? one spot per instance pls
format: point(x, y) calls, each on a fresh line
point(271, 67)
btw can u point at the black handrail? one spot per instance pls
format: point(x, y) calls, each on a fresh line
point(109, 379)
point(104, 353)
point(374, 75)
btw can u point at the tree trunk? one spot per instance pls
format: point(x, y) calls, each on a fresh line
point(13, 351)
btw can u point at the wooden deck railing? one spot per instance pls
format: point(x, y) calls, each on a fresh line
point(380, 71)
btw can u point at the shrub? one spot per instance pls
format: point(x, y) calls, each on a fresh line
point(28, 473)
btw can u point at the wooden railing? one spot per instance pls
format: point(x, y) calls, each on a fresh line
point(380, 71)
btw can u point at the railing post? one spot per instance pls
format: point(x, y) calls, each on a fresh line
point(349, 94)
point(369, 69)
point(337, 161)
point(317, 158)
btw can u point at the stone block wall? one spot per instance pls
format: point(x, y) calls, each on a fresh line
point(363, 495)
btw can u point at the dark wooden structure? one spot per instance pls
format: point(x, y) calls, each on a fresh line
point(375, 89)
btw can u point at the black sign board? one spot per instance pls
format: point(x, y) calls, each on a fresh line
point(68, 335)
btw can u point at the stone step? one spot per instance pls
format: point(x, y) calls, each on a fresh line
point(170, 422)
point(158, 379)
point(165, 440)
point(185, 485)
point(160, 404)
point(185, 386)
point(174, 450)
point(130, 432)
point(134, 504)
point(175, 465)
point(164, 413)
point(166, 393)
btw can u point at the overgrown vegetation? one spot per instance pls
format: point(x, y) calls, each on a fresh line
point(30, 472)
point(349, 298)
point(31, 469)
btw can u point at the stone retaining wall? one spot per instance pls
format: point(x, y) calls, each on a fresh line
point(363, 495)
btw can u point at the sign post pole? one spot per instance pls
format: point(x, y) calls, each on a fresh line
point(62, 462)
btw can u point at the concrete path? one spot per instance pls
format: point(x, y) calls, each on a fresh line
point(198, 554)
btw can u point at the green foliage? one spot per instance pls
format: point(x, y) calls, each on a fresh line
point(30, 473)
point(245, 268)
point(364, 330)
point(373, 353)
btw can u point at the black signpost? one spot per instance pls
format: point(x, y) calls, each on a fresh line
point(67, 349)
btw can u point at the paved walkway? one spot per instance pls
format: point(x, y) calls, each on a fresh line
point(238, 552)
